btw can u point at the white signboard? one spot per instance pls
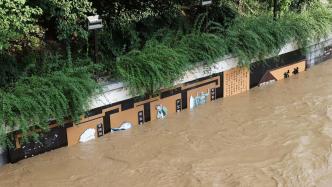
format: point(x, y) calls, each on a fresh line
point(95, 22)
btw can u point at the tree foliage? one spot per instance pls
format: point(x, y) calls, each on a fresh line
point(18, 26)
point(157, 66)
point(70, 16)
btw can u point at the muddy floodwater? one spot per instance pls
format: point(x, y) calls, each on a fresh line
point(277, 135)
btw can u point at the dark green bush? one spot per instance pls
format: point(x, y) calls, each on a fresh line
point(32, 101)
point(9, 71)
point(155, 67)
point(203, 47)
point(254, 37)
point(249, 38)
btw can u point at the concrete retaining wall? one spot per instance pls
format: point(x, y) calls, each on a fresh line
point(116, 91)
point(316, 52)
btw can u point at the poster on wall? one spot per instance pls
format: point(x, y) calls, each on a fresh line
point(200, 99)
point(236, 80)
point(161, 111)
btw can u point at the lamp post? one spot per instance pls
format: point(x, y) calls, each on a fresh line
point(275, 9)
point(206, 2)
point(95, 23)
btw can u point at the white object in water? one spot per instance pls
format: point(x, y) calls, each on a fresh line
point(192, 102)
point(124, 126)
point(88, 135)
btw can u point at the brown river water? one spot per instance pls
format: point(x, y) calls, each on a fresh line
point(276, 135)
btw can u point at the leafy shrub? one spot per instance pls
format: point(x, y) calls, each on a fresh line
point(171, 53)
point(203, 47)
point(256, 37)
point(155, 67)
point(9, 71)
point(34, 100)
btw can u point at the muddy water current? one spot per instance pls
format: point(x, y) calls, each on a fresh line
point(276, 135)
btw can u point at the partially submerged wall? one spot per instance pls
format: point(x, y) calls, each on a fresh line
point(116, 91)
point(116, 107)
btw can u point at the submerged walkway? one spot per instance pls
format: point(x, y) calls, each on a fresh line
point(280, 134)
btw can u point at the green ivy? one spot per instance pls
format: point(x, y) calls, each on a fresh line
point(155, 67)
point(252, 38)
point(171, 54)
point(34, 100)
point(203, 47)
